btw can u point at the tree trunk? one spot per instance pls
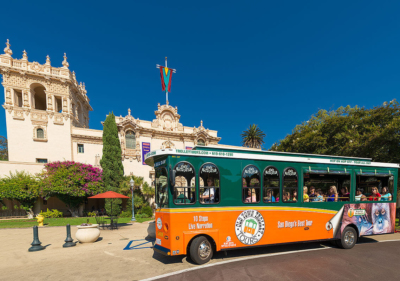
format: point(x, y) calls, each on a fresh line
point(30, 213)
point(74, 212)
point(80, 210)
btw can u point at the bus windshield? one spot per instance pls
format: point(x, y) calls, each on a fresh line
point(161, 187)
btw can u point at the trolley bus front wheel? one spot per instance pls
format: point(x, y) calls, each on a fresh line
point(349, 238)
point(201, 250)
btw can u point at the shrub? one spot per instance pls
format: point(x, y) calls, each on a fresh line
point(140, 216)
point(125, 214)
point(146, 210)
point(71, 182)
point(91, 214)
point(54, 213)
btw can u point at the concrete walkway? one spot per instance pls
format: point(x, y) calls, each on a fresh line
point(105, 259)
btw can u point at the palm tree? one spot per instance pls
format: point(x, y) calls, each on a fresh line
point(148, 191)
point(253, 137)
point(138, 181)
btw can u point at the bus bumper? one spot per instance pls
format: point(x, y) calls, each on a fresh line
point(161, 250)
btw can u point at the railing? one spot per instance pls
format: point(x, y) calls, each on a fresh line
point(55, 71)
point(17, 64)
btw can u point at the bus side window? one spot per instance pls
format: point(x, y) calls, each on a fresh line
point(251, 184)
point(185, 184)
point(271, 185)
point(209, 182)
point(290, 185)
point(327, 186)
point(382, 184)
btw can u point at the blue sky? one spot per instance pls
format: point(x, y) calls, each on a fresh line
point(272, 63)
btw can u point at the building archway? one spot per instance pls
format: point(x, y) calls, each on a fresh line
point(39, 100)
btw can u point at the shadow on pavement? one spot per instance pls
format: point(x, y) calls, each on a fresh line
point(246, 252)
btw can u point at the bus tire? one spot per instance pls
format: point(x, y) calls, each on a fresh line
point(201, 250)
point(349, 238)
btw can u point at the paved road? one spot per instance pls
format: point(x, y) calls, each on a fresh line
point(366, 261)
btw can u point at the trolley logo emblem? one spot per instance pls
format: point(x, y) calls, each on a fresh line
point(355, 212)
point(159, 223)
point(250, 227)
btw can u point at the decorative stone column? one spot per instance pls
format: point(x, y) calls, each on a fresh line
point(25, 95)
point(9, 98)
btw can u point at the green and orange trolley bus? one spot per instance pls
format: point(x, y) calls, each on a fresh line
point(214, 198)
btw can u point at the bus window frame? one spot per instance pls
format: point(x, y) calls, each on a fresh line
point(219, 188)
point(379, 175)
point(283, 182)
point(174, 187)
point(165, 204)
point(266, 187)
point(260, 188)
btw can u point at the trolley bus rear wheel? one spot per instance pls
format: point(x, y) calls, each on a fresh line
point(201, 250)
point(349, 238)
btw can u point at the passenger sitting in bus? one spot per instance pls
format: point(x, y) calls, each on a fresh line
point(312, 194)
point(319, 197)
point(386, 195)
point(363, 198)
point(305, 195)
point(270, 197)
point(359, 193)
point(277, 198)
point(251, 192)
point(375, 196)
point(208, 194)
point(344, 194)
point(294, 197)
point(286, 196)
point(333, 194)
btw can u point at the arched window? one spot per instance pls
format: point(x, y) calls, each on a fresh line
point(201, 142)
point(39, 96)
point(40, 133)
point(185, 183)
point(290, 185)
point(209, 174)
point(271, 185)
point(251, 184)
point(130, 140)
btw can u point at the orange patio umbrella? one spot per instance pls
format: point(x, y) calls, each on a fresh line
point(109, 195)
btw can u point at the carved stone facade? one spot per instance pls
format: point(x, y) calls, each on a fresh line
point(47, 115)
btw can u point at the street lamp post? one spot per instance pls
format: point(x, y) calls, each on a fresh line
point(133, 205)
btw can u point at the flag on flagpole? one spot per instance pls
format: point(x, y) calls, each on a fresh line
point(166, 76)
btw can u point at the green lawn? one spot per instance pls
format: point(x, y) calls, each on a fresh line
point(57, 222)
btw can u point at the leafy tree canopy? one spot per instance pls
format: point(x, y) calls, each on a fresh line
point(71, 182)
point(3, 148)
point(347, 131)
point(21, 186)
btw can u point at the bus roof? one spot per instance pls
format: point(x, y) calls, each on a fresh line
point(238, 153)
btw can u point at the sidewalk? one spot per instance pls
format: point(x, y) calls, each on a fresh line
point(105, 259)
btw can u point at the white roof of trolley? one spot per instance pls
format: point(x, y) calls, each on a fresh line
point(224, 152)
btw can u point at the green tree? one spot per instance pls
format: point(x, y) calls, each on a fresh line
point(148, 191)
point(23, 187)
point(71, 182)
point(253, 137)
point(356, 132)
point(111, 162)
point(3, 149)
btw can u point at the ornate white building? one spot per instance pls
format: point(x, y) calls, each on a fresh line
point(47, 117)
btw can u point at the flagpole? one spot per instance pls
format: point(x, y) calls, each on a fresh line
point(166, 90)
point(170, 69)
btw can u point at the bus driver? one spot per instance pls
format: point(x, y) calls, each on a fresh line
point(208, 194)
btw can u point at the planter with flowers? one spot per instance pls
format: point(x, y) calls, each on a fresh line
point(87, 233)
